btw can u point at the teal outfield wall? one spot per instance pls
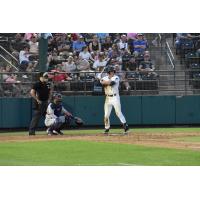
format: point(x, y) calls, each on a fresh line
point(139, 110)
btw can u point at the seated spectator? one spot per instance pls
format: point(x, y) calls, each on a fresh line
point(146, 67)
point(122, 44)
point(78, 44)
point(95, 45)
point(17, 44)
point(107, 44)
point(82, 65)
point(52, 45)
point(34, 45)
point(100, 62)
point(69, 66)
point(11, 82)
point(139, 45)
point(131, 65)
point(64, 44)
point(58, 75)
point(6, 72)
point(182, 38)
point(84, 54)
point(24, 59)
point(114, 52)
point(125, 58)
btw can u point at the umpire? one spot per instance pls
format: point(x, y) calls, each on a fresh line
point(40, 92)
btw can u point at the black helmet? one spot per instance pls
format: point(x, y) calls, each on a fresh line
point(110, 69)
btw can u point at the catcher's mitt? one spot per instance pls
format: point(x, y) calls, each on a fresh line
point(78, 121)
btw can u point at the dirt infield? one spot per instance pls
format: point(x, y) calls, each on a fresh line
point(167, 140)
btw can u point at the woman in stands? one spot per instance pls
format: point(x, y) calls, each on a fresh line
point(95, 45)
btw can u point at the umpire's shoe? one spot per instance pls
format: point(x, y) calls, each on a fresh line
point(31, 133)
point(106, 131)
point(126, 128)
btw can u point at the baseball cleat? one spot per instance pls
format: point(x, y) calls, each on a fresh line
point(106, 131)
point(57, 132)
point(126, 129)
point(49, 132)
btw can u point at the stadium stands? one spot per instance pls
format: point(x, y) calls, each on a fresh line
point(72, 67)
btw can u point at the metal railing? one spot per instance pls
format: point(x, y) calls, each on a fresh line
point(8, 62)
point(9, 58)
point(8, 53)
point(187, 82)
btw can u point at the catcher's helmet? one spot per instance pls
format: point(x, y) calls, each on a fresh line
point(57, 97)
point(110, 69)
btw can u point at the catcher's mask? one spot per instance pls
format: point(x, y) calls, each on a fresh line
point(57, 98)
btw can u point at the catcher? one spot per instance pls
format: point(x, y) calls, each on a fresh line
point(57, 116)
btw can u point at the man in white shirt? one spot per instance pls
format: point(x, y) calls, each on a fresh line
point(111, 87)
point(101, 62)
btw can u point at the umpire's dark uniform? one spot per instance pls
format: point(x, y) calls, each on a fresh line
point(40, 93)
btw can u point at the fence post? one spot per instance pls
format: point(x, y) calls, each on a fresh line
point(43, 47)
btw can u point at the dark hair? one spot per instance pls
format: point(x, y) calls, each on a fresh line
point(83, 48)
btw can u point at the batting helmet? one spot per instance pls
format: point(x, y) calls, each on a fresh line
point(110, 69)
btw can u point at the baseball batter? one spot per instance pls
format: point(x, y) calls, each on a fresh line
point(111, 87)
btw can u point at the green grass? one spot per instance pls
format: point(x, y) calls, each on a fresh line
point(75, 153)
point(88, 153)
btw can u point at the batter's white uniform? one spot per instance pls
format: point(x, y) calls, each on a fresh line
point(112, 100)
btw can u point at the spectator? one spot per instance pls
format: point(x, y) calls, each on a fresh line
point(52, 45)
point(64, 44)
point(125, 58)
point(107, 44)
point(17, 44)
point(34, 46)
point(139, 45)
point(84, 54)
point(11, 82)
point(82, 65)
point(102, 36)
point(95, 45)
point(114, 52)
point(146, 67)
point(69, 66)
point(78, 44)
point(100, 62)
point(24, 59)
point(122, 44)
point(59, 75)
point(131, 65)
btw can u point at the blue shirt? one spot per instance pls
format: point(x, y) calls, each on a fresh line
point(102, 35)
point(139, 42)
point(78, 45)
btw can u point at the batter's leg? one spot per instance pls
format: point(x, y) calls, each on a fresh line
point(107, 111)
point(117, 107)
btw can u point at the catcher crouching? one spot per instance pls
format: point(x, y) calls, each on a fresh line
point(57, 116)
